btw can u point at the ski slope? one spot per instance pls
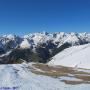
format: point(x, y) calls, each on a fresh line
point(17, 77)
point(76, 56)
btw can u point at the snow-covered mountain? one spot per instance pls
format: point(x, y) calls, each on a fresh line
point(70, 49)
point(12, 41)
point(76, 56)
point(38, 47)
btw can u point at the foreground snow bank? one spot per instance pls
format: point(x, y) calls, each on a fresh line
point(17, 77)
point(76, 56)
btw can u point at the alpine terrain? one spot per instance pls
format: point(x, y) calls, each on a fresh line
point(45, 61)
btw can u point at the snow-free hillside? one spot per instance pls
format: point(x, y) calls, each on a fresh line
point(76, 56)
point(18, 77)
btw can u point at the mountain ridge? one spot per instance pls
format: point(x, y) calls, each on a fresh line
point(41, 46)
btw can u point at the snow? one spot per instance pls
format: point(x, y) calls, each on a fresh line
point(9, 36)
point(76, 56)
point(73, 39)
point(40, 38)
point(25, 44)
point(69, 78)
point(61, 37)
point(6, 54)
point(17, 77)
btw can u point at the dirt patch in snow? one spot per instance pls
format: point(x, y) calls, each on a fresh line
point(59, 71)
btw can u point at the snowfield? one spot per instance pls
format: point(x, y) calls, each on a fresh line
point(76, 56)
point(18, 77)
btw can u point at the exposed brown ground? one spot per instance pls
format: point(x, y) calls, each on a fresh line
point(59, 71)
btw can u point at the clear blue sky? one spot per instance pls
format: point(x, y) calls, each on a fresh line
point(25, 16)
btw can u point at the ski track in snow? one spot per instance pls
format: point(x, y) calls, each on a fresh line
point(17, 77)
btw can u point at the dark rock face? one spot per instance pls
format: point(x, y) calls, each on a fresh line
point(2, 51)
point(27, 55)
point(61, 48)
point(41, 55)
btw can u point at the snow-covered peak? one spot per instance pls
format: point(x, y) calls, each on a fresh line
point(44, 37)
point(9, 36)
point(25, 44)
point(73, 39)
point(60, 37)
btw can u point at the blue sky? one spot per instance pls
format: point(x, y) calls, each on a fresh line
point(25, 16)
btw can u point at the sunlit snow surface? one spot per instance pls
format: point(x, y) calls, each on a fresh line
point(17, 77)
point(76, 56)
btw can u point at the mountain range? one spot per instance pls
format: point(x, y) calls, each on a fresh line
point(38, 47)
